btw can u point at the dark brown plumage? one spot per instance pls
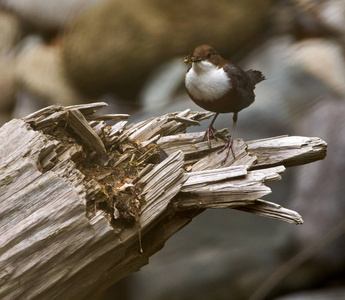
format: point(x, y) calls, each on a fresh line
point(217, 85)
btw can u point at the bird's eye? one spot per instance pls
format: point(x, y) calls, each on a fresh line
point(208, 55)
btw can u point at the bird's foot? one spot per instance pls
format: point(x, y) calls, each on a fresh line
point(228, 146)
point(210, 131)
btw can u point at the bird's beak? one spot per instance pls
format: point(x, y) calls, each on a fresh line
point(190, 59)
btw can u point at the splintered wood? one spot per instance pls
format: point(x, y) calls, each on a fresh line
point(86, 204)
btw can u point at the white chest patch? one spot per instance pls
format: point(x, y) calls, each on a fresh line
point(206, 82)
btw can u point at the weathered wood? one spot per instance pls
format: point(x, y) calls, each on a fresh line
point(213, 193)
point(287, 150)
point(83, 204)
point(272, 210)
point(76, 120)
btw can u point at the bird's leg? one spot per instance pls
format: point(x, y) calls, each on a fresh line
point(229, 144)
point(210, 131)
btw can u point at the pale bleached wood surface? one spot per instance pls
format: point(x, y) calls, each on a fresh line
point(77, 196)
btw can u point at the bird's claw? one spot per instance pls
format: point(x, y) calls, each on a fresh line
point(210, 131)
point(229, 145)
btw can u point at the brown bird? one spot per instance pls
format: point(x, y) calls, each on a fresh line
point(217, 85)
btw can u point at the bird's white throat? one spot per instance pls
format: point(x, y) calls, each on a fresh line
point(206, 82)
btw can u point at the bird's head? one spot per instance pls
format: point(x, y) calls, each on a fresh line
point(202, 53)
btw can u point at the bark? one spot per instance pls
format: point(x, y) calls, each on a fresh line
point(83, 204)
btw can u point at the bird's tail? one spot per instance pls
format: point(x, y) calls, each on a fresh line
point(255, 76)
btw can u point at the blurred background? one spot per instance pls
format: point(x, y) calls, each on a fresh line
point(128, 53)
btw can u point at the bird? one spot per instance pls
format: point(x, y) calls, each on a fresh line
point(217, 85)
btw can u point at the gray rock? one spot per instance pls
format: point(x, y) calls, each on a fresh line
point(320, 294)
point(332, 13)
point(10, 32)
point(7, 82)
point(320, 195)
point(299, 74)
point(48, 15)
point(39, 71)
point(115, 46)
point(221, 253)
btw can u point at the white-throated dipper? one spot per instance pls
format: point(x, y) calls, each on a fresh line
point(217, 85)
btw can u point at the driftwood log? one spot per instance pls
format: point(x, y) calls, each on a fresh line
point(83, 204)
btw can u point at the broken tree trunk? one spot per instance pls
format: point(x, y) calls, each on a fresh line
point(83, 204)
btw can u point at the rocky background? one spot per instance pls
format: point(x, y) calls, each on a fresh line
point(128, 53)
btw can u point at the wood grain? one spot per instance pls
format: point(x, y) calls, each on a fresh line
point(80, 199)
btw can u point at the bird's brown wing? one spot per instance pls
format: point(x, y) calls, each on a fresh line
point(255, 76)
point(241, 79)
point(243, 84)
